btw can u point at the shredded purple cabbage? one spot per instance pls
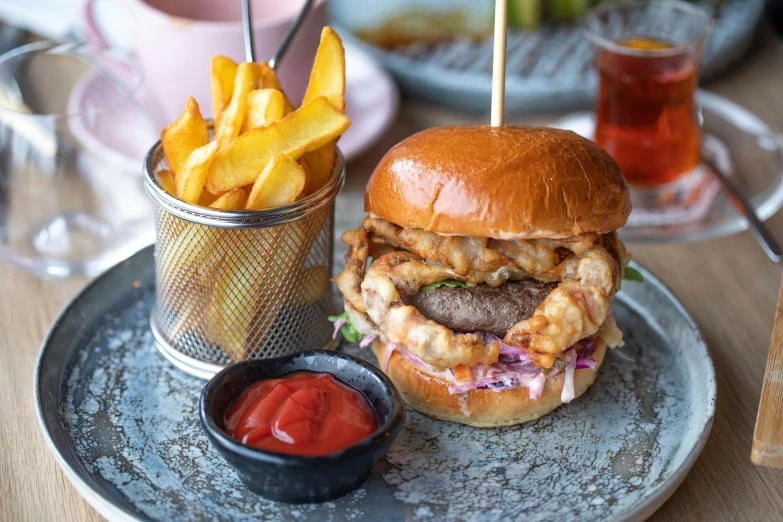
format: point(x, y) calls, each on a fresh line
point(586, 363)
point(446, 375)
point(390, 348)
point(567, 394)
point(366, 340)
point(337, 324)
point(514, 369)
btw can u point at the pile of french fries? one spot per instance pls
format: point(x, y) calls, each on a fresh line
point(265, 153)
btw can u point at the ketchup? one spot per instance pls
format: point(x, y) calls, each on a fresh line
point(305, 413)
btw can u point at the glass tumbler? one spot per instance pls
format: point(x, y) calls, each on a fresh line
point(647, 56)
point(73, 134)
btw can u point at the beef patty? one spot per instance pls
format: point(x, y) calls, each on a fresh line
point(481, 308)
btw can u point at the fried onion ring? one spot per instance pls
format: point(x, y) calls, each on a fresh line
point(463, 254)
point(350, 280)
point(474, 257)
point(539, 257)
point(405, 272)
point(573, 310)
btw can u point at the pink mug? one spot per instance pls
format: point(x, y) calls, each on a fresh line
point(175, 40)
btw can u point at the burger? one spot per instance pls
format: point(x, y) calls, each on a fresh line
point(484, 273)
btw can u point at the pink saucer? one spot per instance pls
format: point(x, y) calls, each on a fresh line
point(372, 101)
point(114, 127)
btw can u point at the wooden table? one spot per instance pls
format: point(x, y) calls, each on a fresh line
point(728, 285)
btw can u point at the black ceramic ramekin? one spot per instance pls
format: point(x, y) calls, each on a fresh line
point(293, 478)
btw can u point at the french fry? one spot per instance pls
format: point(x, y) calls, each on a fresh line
point(231, 200)
point(173, 225)
point(222, 75)
point(188, 312)
point(263, 107)
point(307, 190)
point(207, 198)
point(280, 183)
point(193, 255)
point(250, 299)
point(321, 163)
point(308, 128)
point(313, 284)
point(269, 80)
point(196, 257)
point(299, 239)
point(327, 78)
point(237, 292)
point(271, 289)
point(193, 172)
point(166, 180)
point(184, 136)
point(246, 80)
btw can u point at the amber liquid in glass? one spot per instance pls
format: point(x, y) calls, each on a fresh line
point(646, 118)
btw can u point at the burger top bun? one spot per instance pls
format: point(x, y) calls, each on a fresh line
point(499, 182)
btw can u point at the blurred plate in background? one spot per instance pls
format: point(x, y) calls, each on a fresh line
point(549, 68)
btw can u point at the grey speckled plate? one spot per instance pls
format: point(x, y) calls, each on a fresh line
point(123, 424)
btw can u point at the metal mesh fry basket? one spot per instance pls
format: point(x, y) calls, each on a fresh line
point(240, 285)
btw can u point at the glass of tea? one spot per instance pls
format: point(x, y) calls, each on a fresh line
point(647, 55)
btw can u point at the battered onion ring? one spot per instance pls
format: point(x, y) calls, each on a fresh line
point(474, 257)
point(349, 281)
point(405, 272)
point(572, 311)
point(540, 257)
point(463, 254)
point(360, 320)
point(611, 242)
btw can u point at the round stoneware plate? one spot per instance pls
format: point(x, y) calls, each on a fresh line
point(123, 424)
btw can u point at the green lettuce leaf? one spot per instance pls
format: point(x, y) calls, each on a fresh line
point(631, 274)
point(348, 330)
point(452, 283)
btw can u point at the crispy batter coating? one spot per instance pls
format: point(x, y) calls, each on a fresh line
point(540, 257)
point(474, 257)
point(463, 254)
point(573, 310)
point(350, 280)
point(404, 272)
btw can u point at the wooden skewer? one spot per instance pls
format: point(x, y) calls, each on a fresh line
point(768, 437)
point(499, 63)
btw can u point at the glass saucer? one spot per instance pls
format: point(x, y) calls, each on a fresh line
point(737, 140)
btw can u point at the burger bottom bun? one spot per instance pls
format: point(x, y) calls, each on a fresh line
point(480, 408)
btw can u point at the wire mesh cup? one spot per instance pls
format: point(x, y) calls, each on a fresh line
point(237, 285)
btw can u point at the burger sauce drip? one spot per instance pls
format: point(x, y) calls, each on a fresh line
point(305, 413)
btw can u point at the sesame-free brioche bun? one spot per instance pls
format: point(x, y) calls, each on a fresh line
point(486, 408)
point(499, 182)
